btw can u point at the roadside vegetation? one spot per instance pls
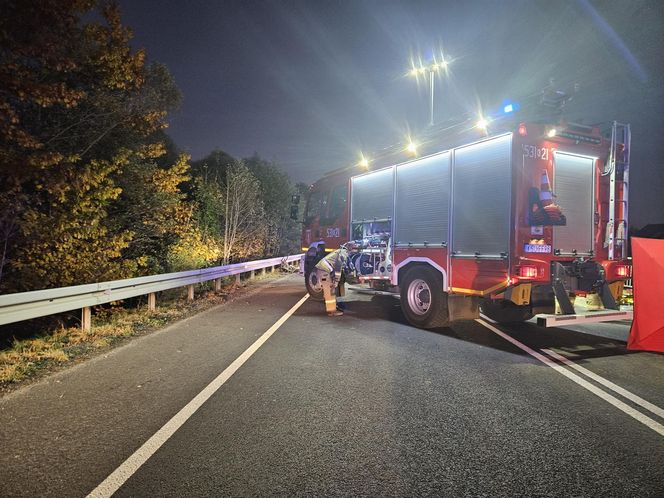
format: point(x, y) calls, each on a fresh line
point(91, 186)
point(28, 358)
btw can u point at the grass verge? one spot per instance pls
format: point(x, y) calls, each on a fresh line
point(28, 359)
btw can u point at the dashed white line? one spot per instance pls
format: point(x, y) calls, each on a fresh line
point(607, 383)
point(120, 475)
point(635, 414)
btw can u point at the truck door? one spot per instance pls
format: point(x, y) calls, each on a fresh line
point(573, 186)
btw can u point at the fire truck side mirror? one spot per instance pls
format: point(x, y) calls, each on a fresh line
point(294, 212)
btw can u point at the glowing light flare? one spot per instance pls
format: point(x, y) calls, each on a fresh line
point(552, 133)
point(364, 162)
point(522, 130)
point(482, 124)
point(411, 147)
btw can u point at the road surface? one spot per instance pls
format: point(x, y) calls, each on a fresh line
point(360, 405)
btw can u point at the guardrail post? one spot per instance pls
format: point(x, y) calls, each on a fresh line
point(237, 278)
point(152, 301)
point(217, 284)
point(263, 271)
point(86, 318)
point(190, 292)
point(251, 274)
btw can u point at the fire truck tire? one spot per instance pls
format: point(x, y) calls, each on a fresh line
point(422, 299)
point(503, 311)
point(314, 288)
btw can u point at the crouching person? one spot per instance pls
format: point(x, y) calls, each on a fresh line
point(330, 270)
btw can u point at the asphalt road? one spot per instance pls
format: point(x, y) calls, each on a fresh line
point(360, 405)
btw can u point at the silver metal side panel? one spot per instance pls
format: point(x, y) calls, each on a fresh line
point(372, 195)
point(422, 201)
point(481, 190)
point(573, 187)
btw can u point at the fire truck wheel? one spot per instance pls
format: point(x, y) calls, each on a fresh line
point(503, 311)
point(314, 288)
point(422, 299)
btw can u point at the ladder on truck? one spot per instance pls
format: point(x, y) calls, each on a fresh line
point(616, 237)
point(617, 226)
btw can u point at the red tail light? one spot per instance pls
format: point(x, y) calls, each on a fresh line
point(527, 271)
point(522, 130)
point(622, 271)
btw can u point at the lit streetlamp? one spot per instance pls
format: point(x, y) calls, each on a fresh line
point(431, 70)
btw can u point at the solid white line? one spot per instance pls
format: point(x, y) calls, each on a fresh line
point(607, 383)
point(113, 482)
point(637, 415)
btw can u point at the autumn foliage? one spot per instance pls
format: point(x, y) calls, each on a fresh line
point(91, 188)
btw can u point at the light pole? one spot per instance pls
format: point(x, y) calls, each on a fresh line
point(431, 70)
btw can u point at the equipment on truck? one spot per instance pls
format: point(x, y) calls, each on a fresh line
point(516, 224)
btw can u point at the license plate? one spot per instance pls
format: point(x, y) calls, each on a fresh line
point(545, 248)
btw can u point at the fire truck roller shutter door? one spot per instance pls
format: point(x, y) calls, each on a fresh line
point(574, 193)
point(373, 195)
point(422, 201)
point(481, 190)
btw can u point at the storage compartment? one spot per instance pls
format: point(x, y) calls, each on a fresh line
point(481, 198)
point(422, 202)
point(573, 187)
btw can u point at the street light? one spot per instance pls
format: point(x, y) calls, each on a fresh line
point(482, 124)
point(432, 70)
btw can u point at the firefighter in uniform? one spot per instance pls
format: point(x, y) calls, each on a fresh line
point(330, 270)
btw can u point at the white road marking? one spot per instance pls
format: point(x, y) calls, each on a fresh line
point(607, 383)
point(637, 415)
point(113, 482)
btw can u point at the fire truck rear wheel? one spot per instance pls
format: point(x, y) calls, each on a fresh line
point(314, 288)
point(503, 311)
point(422, 299)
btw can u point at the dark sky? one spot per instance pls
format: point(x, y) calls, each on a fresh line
point(312, 83)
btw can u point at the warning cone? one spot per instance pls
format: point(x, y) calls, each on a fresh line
point(546, 197)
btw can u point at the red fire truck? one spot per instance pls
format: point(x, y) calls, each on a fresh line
point(515, 224)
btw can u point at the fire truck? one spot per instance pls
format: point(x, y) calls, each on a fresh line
point(512, 224)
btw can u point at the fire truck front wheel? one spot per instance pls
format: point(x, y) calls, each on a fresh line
point(422, 299)
point(314, 288)
point(503, 311)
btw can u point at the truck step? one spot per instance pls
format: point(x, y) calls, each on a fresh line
point(589, 317)
point(373, 292)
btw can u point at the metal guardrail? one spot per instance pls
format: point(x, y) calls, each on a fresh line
point(34, 304)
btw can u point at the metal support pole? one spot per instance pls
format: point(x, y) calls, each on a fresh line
point(217, 284)
point(237, 279)
point(263, 271)
point(152, 301)
point(190, 292)
point(432, 75)
point(251, 274)
point(86, 318)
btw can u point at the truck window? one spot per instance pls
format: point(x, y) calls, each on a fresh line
point(314, 205)
point(337, 203)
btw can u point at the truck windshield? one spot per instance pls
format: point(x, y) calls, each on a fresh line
point(337, 202)
point(314, 205)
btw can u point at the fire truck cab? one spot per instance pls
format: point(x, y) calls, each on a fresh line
point(514, 225)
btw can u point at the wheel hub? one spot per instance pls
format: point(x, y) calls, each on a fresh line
point(419, 296)
point(314, 283)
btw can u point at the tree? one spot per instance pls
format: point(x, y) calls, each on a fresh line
point(244, 218)
point(276, 190)
point(153, 208)
point(77, 105)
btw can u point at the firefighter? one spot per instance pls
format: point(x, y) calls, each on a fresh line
point(330, 272)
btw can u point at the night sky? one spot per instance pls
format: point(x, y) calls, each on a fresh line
point(310, 84)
